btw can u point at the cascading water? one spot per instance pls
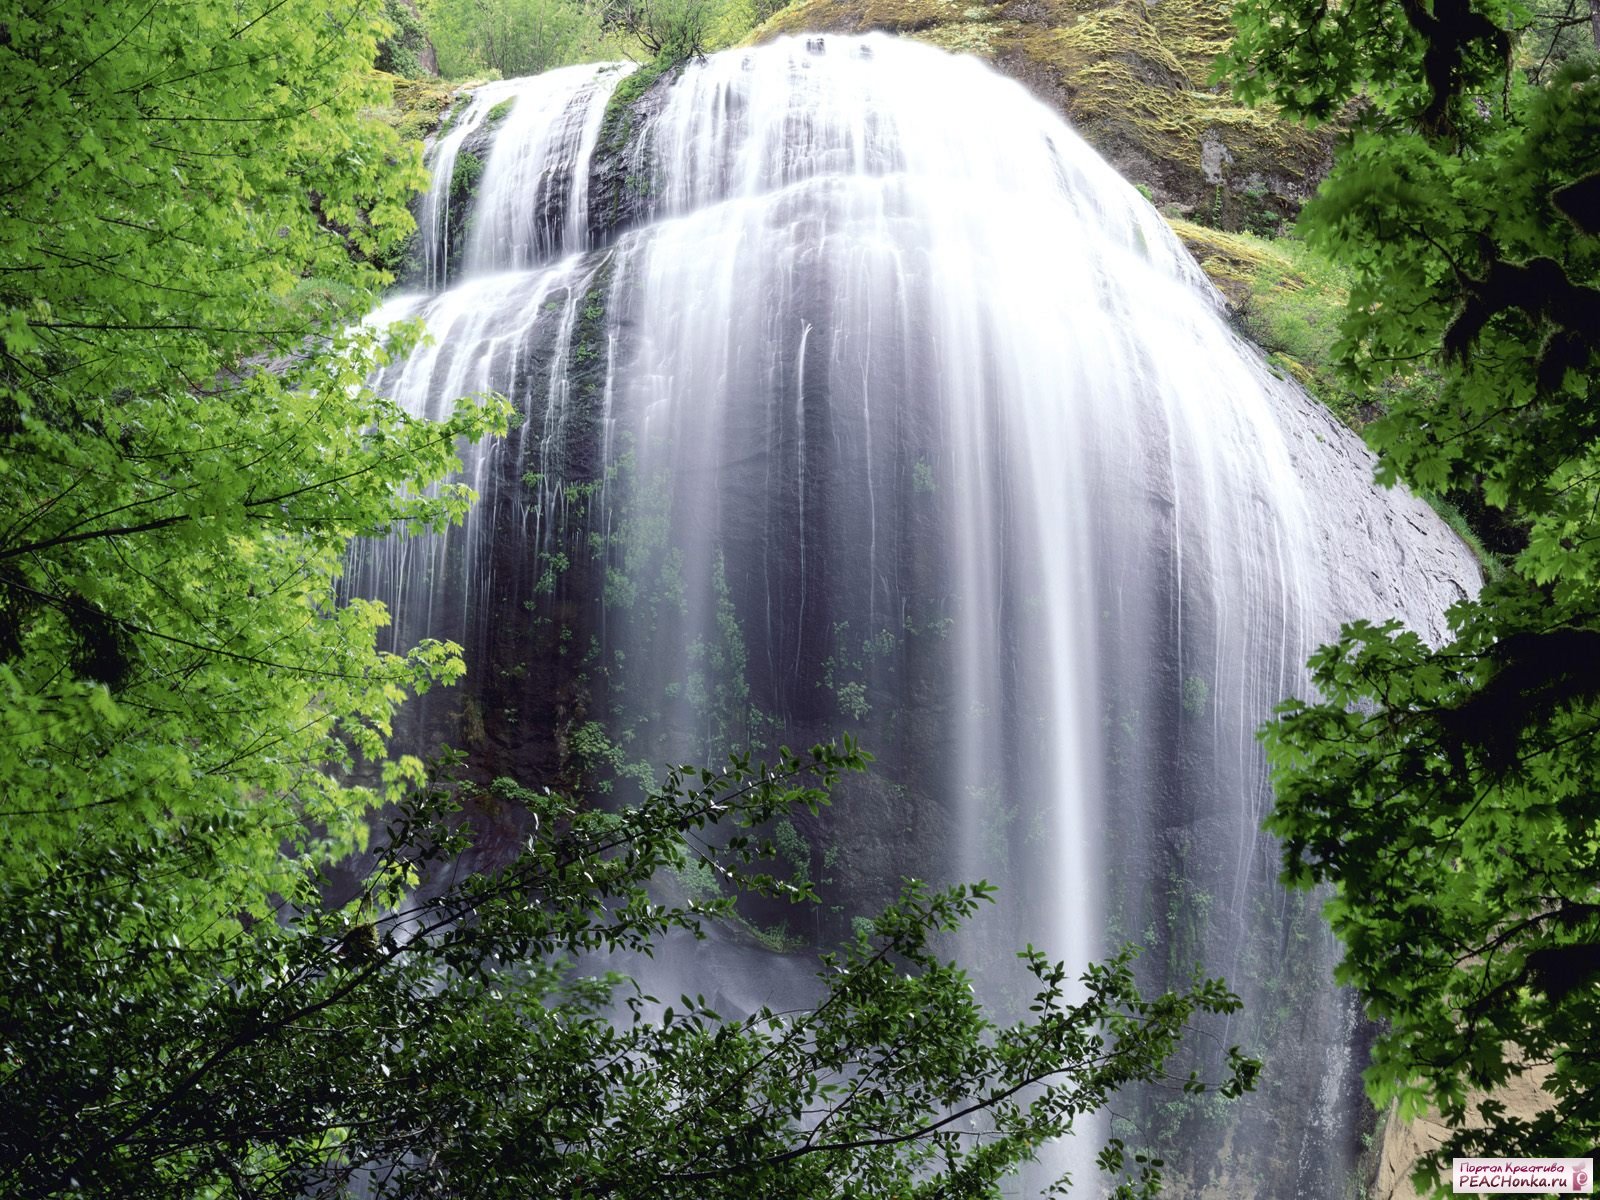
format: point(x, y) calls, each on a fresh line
point(859, 393)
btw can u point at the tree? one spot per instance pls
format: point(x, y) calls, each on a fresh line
point(406, 50)
point(1448, 792)
point(1556, 31)
point(673, 31)
point(190, 193)
point(512, 37)
point(471, 1041)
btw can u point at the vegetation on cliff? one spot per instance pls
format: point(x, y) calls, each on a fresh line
point(513, 37)
point(506, 38)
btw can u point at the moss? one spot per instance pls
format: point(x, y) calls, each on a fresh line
point(792, 846)
point(1134, 79)
point(1286, 298)
point(776, 938)
point(464, 177)
point(617, 124)
point(1132, 85)
point(623, 174)
point(472, 730)
point(1232, 260)
point(1194, 33)
point(962, 38)
point(858, 16)
point(499, 111)
point(697, 877)
point(420, 105)
point(587, 370)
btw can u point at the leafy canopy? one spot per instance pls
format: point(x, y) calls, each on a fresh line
point(1448, 792)
point(523, 37)
point(472, 1041)
point(513, 37)
point(194, 189)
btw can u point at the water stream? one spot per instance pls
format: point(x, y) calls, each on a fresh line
point(860, 394)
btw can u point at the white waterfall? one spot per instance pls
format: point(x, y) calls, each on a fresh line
point(883, 403)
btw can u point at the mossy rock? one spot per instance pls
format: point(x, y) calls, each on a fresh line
point(1134, 80)
point(419, 105)
point(621, 177)
point(1232, 262)
point(1290, 301)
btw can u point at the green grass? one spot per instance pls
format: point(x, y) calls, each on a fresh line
point(1493, 566)
point(1287, 299)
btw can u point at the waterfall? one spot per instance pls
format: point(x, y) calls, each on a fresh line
point(860, 394)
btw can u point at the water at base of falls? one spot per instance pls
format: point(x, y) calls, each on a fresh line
point(860, 394)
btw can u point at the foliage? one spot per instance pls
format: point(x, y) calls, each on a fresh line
point(472, 1040)
point(1411, 63)
point(1293, 312)
point(405, 49)
point(171, 658)
point(670, 31)
point(1287, 298)
point(1556, 30)
point(1466, 867)
point(1448, 791)
point(170, 179)
point(420, 107)
point(512, 37)
point(189, 191)
point(524, 37)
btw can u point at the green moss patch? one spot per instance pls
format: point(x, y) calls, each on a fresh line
point(617, 124)
point(1287, 299)
point(420, 105)
point(859, 16)
point(1232, 260)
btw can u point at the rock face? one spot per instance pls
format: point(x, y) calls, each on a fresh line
point(1133, 78)
point(1402, 1144)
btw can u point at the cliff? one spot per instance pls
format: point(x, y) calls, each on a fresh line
point(1133, 78)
